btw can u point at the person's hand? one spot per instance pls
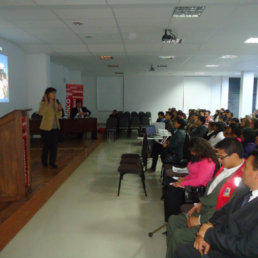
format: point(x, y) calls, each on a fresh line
point(192, 221)
point(81, 114)
point(59, 107)
point(177, 184)
point(180, 179)
point(196, 208)
point(203, 229)
point(201, 245)
point(46, 99)
point(165, 144)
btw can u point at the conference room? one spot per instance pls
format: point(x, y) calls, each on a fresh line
point(86, 163)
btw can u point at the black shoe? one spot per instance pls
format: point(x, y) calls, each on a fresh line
point(53, 166)
point(44, 164)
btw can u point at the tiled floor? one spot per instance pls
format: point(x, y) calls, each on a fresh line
point(85, 218)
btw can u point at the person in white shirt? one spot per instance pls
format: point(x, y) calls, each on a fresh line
point(219, 133)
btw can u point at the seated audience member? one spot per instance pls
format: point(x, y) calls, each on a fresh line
point(114, 114)
point(211, 131)
point(173, 152)
point(168, 122)
point(79, 111)
point(201, 169)
point(234, 120)
point(216, 116)
point(157, 147)
point(208, 118)
point(174, 114)
point(202, 112)
point(248, 136)
point(191, 122)
point(245, 122)
point(181, 228)
point(200, 130)
point(254, 124)
point(233, 130)
point(256, 137)
point(255, 114)
point(232, 231)
point(219, 134)
point(161, 117)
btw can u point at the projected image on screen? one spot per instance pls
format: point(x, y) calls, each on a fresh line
point(4, 87)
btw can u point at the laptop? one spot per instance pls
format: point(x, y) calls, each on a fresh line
point(150, 131)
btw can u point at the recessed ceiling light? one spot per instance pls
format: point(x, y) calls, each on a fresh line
point(252, 41)
point(167, 57)
point(113, 66)
point(106, 57)
point(211, 65)
point(229, 57)
point(199, 73)
point(77, 23)
point(188, 11)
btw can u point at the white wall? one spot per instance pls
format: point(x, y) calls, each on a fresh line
point(152, 93)
point(157, 93)
point(60, 76)
point(17, 78)
point(38, 78)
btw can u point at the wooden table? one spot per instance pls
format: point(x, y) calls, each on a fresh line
point(68, 126)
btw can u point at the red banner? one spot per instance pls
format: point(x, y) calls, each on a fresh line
point(73, 92)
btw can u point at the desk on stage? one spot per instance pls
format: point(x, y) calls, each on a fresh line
point(79, 125)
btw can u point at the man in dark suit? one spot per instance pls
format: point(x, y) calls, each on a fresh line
point(233, 229)
point(79, 111)
point(201, 130)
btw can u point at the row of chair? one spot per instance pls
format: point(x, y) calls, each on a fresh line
point(114, 125)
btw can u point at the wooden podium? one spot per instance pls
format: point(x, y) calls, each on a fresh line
point(15, 178)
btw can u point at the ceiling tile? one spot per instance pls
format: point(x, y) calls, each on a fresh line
point(84, 13)
point(5, 3)
point(70, 2)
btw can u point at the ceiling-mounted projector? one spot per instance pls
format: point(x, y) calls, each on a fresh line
point(170, 37)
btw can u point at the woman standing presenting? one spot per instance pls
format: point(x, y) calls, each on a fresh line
point(50, 110)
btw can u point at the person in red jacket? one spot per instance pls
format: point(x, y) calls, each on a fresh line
point(182, 228)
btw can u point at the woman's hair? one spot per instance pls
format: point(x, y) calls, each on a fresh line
point(249, 135)
point(236, 129)
point(203, 149)
point(255, 124)
point(50, 89)
point(180, 121)
point(220, 127)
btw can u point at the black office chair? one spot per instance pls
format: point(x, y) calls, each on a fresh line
point(111, 128)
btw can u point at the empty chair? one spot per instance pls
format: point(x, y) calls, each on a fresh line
point(133, 166)
point(119, 114)
point(127, 114)
point(124, 123)
point(133, 114)
point(135, 123)
point(141, 114)
point(111, 127)
point(148, 114)
point(144, 121)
